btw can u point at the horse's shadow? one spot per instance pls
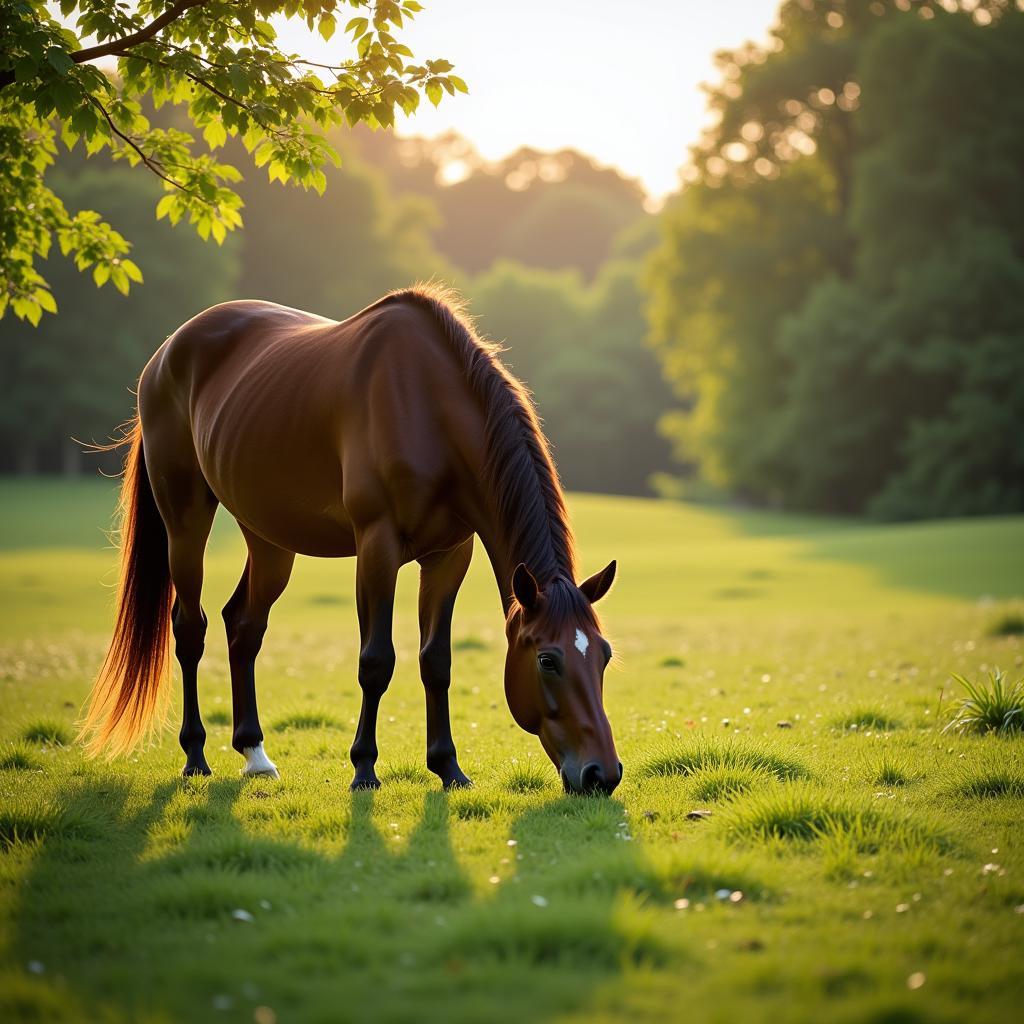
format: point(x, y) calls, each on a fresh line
point(171, 905)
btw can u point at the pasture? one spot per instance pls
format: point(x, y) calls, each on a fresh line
point(857, 863)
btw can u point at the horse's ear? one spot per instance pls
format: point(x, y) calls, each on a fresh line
point(598, 585)
point(524, 586)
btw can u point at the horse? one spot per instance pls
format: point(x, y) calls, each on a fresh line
point(395, 435)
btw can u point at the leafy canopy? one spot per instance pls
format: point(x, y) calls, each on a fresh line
point(219, 59)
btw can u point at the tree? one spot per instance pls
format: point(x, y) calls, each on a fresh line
point(557, 210)
point(71, 376)
point(824, 226)
point(335, 256)
point(735, 260)
point(222, 61)
point(797, 95)
point(581, 349)
point(927, 337)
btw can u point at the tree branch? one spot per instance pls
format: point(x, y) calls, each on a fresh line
point(148, 161)
point(112, 46)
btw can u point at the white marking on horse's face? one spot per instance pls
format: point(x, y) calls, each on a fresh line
point(257, 763)
point(582, 643)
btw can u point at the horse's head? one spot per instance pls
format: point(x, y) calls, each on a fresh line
point(554, 676)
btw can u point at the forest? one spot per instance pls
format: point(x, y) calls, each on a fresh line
point(824, 317)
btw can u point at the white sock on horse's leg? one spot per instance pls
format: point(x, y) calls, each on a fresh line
point(257, 762)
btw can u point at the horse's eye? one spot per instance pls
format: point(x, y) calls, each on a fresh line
point(547, 663)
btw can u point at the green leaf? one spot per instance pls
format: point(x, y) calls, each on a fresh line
point(59, 60)
point(165, 206)
point(358, 27)
point(458, 83)
point(101, 274)
point(327, 26)
point(433, 90)
point(45, 300)
point(120, 280)
point(132, 271)
point(215, 134)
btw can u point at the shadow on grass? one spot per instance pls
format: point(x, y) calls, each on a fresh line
point(170, 906)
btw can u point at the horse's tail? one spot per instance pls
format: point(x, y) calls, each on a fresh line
point(130, 687)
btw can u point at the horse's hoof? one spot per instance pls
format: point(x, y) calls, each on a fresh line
point(257, 763)
point(362, 782)
point(459, 781)
point(194, 768)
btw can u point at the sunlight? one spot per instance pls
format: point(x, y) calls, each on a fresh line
point(621, 82)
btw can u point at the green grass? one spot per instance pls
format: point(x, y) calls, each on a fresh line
point(995, 705)
point(836, 863)
point(710, 753)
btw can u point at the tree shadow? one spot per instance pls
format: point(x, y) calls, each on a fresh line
point(168, 905)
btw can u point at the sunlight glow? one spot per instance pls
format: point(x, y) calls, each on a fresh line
point(618, 81)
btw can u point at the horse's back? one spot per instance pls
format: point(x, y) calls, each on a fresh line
point(306, 427)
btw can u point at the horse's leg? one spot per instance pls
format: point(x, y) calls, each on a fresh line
point(187, 507)
point(266, 574)
point(378, 558)
point(441, 575)
point(185, 550)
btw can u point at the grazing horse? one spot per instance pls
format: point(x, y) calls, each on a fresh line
point(394, 435)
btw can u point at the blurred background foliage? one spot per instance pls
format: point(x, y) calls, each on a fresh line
point(826, 316)
point(836, 292)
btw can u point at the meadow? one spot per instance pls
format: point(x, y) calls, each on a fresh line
point(791, 676)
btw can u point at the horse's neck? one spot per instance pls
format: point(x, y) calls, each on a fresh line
point(504, 558)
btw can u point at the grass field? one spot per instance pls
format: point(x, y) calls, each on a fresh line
point(858, 865)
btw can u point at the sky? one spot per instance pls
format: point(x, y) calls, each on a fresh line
point(617, 79)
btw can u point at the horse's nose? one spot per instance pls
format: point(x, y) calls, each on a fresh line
point(594, 780)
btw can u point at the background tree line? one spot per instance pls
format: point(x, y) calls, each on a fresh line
point(547, 247)
point(836, 296)
point(831, 299)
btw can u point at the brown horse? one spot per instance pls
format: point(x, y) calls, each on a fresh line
point(394, 435)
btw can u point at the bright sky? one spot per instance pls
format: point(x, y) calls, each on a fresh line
point(619, 80)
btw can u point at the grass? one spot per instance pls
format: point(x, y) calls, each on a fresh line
point(305, 720)
point(992, 707)
point(46, 731)
point(1008, 624)
point(893, 771)
point(712, 753)
point(868, 719)
point(823, 879)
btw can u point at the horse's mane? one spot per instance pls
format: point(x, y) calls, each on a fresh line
point(519, 473)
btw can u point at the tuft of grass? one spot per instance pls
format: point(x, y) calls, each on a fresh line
point(671, 661)
point(469, 643)
point(407, 772)
point(1010, 624)
point(41, 822)
point(48, 732)
point(808, 814)
point(525, 778)
point(469, 806)
point(988, 707)
point(19, 757)
point(704, 753)
point(724, 783)
point(306, 720)
point(219, 716)
point(892, 771)
point(867, 718)
point(994, 782)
